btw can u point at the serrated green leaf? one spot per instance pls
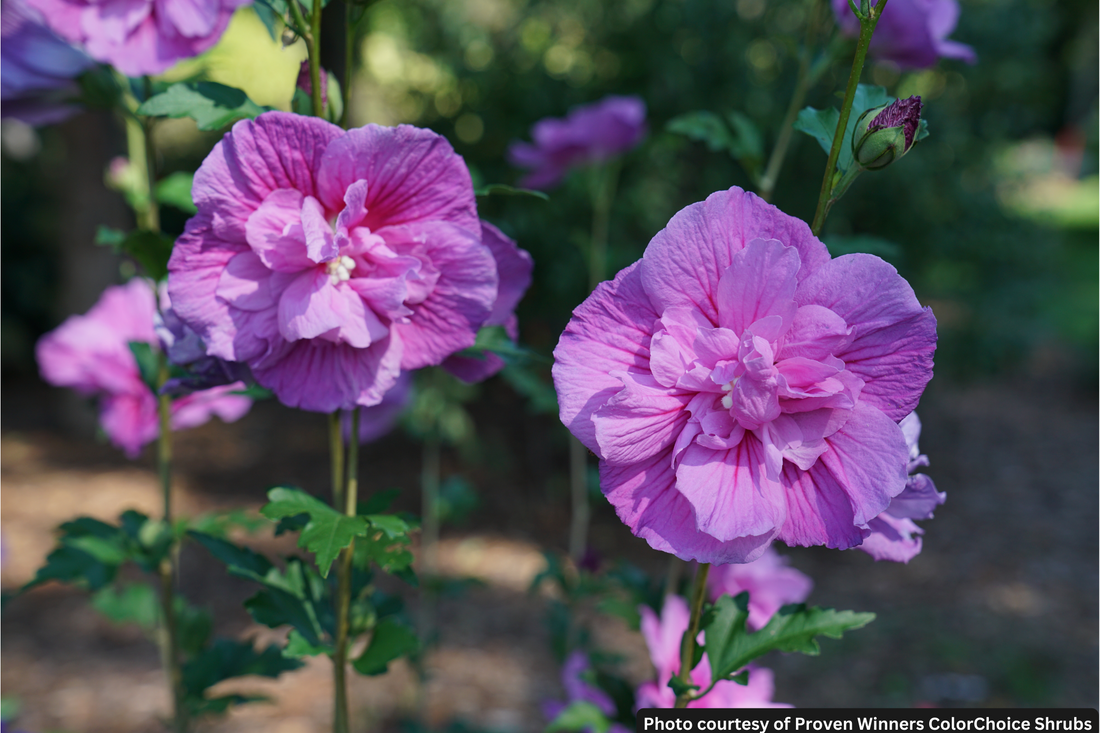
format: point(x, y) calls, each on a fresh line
point(211, 105)
point(821, 124)
point(580, 716)
point(390, 554)
point(274, 607)
point(298, 646)
point(390, 524)
point(68, 564)
point(134, 603)
point(327, 531)
point(225, 659)
point(503, 189)
point(175, 190)
point(391, 640)
point(703, 126)
point(794, 628)
point(240, 561)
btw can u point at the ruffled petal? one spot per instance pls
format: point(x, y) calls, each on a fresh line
point(730, 492)
point(610, 331)
point(685, 261)
point(641, 420)
point(893, 338)
point(891, 538)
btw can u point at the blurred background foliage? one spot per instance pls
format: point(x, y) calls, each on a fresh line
point(993, 219)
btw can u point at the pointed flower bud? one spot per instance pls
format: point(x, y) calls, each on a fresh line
point(884, 134)
point(306, 84)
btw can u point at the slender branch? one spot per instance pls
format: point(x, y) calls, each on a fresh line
point(314, 42)
point(607, 179)
point(687, 652)
point(806, 78)
point(336, 457)
point(340, 722)
point(866, 29)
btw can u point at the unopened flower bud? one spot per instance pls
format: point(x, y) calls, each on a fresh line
point(306, 84)
point(884, 134)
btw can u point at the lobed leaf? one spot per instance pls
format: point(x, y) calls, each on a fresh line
point(793, 628)
point(211, 105)
point(327, 531)
point(391, 640)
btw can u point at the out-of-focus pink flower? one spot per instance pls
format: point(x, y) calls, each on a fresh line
point(91, 354)
point(740, 386)
point(330, 261)
point(894, 536)
point(593, 133)
point(770, 582)
point(911, 33)
point(662, 636)
point(37, 68)
point(139, 37)
point(514, 267)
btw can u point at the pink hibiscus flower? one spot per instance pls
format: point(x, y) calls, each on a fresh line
point(91, 354)
point(911, 33)
point(740, 386)
point(139, 37)
point(592, 133)
point(894, 536)
point(770, 583)
point(662, 636)
point(330, 261)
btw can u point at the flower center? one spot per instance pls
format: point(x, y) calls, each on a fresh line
point(340, 269)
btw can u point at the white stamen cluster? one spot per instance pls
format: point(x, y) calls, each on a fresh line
point(727, 399)
point(340, 269)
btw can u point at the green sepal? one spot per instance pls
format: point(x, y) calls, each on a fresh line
point(391, 640)
point(148, 363)
point(681, 688)
point(793, 628)
point(211, 105)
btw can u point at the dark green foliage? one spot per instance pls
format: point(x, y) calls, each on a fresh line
point(225, 659)
point(149, 249)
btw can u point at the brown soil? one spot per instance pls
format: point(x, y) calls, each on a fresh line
point(999, 610)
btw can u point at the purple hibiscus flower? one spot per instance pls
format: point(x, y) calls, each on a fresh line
point(330, 261)
point(139, 37)
point(770, 583)
point(739, 386)
point(662, 636)
point(37, 68)
point(578, 690)
point(593, 133)
point(894, 536)
point(91, 354)
point(911, 33)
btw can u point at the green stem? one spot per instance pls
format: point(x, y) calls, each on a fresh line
point(168, 635)
point(807, 77)
point(342, 494)
point(301, 27)
point(349, 60)
point(314, 42)
point(578, 481)
point(687, 650)
point(866, 29)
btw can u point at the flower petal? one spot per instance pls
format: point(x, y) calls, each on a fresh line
point(610, 331)
point(892, 539)
point(759, 282)
point(732, 496)
point(893, 338)
point(642, 419)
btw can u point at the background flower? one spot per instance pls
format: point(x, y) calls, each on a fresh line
point(593, 133)
point(894, 536)
point(37, 67)
point(139, 37)
point(911, 33)
point(662, 637)
point(770, 582)
point(579, 690)
point(331, 261)
point(740, 386)
point(91, 354)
